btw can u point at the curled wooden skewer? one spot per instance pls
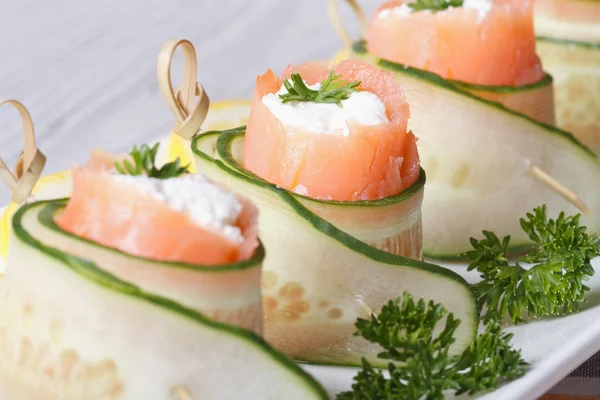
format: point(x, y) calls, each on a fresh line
point(189, 115)
point(30, 163)
point(559, 188)
point(338, 25)
point(369, 310)
point(181, 393)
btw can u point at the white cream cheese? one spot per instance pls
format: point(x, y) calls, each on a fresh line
point(301, 190)
point(402, 11)
point(364, 107)
point(207, 205)
point(482, 7)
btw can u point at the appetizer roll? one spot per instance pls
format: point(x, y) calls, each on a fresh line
point(335, 135)
point(172, 233)
point(70, 329)
point(186, 219)
point(485, 42)
point(319, 274)
point(568, 41)
point(486, 47)
point(329, 161)
point(139, 286)
point(332, 132)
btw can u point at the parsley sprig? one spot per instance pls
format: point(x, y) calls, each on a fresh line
point(561, 262)
point(434, 5)
point(143, 162)
point(421, 366)
point(332, 90)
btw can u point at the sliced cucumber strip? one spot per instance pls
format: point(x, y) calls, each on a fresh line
point(317, 278)
point(568, 42)
point(576, 70)
point(478, 156)
point(71, 330)
point(535, 100)
point(227, 293)
point(575, 20)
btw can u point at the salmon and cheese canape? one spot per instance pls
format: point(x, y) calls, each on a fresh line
point(90, 309)
point(346, 140)
point(487, 47)
point(338, 133)
point(171, 230)
point(187, 219)
point(328, 158)
point(484, 42)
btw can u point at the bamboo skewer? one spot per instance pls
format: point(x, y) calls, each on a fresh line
point(181, 393)
point(369, 310)
point(189, 115)
point(30, 163)
point(336, 21)
point(559, 188)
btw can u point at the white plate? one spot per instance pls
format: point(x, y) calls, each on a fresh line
point(554, 347)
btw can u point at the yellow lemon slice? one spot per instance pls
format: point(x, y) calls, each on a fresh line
point(54, 186)
point(341, 55)
point(221, 116)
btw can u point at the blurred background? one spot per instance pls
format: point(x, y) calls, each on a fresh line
point(87, 70)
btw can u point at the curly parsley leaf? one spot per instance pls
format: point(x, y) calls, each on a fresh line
point(143, 162)
point(332, 90)
point(553, 285)
point(421, 366)
point(434, 5)
point(488, 360)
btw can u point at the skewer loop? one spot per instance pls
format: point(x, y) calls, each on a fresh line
point(29, 165)
point(189, 116)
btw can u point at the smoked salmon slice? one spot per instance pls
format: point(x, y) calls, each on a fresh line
point(368, 162)
point(122, 212)
point(484, 42)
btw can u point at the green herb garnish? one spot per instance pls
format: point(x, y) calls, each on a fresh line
point(552, 286)
point(420, 364)
point(332, 90)
point(434, 5)
point(144, 163)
